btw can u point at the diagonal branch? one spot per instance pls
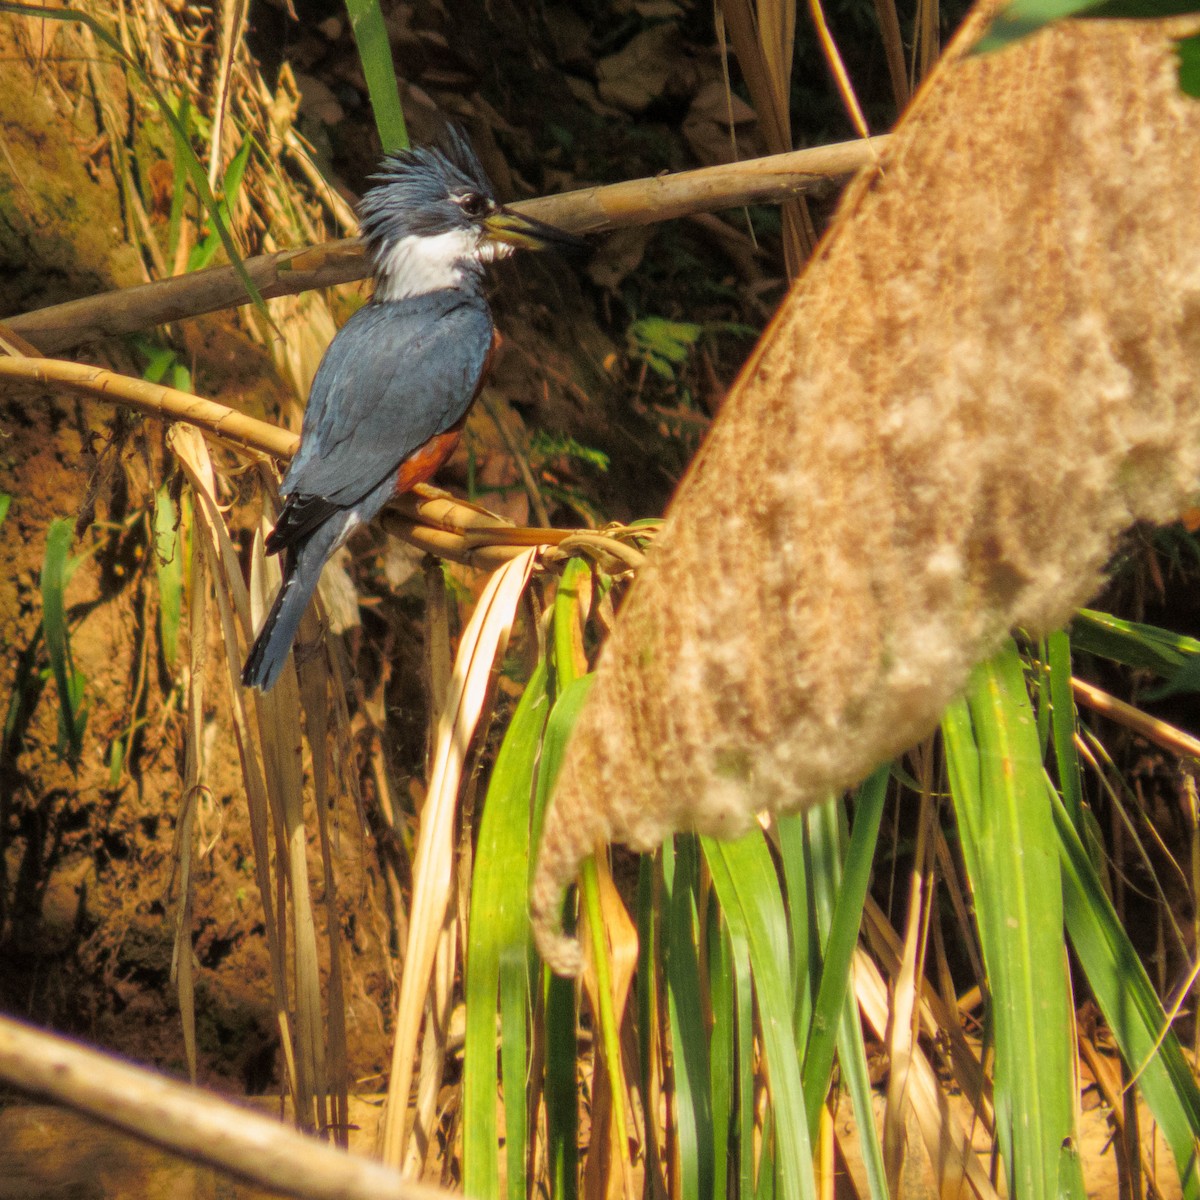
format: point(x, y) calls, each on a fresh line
point(245, 433)
point(429, 519)
point(191, 1122)
point(590, 210)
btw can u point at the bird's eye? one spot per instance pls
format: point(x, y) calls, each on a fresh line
point(474, 204)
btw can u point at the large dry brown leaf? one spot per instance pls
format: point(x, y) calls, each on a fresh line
point(991, 368)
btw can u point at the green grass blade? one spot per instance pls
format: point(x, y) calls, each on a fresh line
point(562, 1124)
point(856, 1078)
point(744, 989)
point(722, 1045)
point(168, 569)
point(5, 501)
point(1010, 848)
point(558, 731)
point(179, 192)
point(567, 620)
point(1128, 1002)
point(498, 936)
point(767, 1187)
point(1132, 643)
point(370, 35)
point(609, 1037)
point(744, 876)
point(1062, 717)
point(56, 570)
point(839, 890)
point(568, 658)
point(515, 1004)
point(793, 855)
point(689, 1037)
point(559, 994)
point(1188, 49)
point(205, 251)
point(1040, 680)
point(647, 983)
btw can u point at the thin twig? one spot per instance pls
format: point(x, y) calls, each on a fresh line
point(191, 1122)
point(1151, 728)
point(519, 457)
point(833, 58)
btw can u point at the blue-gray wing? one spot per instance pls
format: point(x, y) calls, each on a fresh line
point(397, 374)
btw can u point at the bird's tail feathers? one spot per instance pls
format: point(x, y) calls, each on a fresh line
point(268, 655)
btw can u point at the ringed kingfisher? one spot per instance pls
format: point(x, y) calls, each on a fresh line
point(390, 398)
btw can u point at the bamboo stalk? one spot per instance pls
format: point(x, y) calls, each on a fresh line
point(427, 518)
point(231, 426)
point(191, 1122)
point(589, 210)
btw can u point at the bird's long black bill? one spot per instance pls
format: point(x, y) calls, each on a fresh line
point(528, 233)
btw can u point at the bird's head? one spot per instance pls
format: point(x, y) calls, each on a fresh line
point(432, 220)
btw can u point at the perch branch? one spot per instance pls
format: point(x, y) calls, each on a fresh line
point(429, 519)
point(193, 1123)
point(231, 426)
point(590, 210)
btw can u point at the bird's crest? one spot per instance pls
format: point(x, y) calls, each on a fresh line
point(412, 188)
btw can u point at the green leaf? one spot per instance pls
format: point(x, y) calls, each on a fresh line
point(159, 359)
point(1128, 1001)
point(1024, 17)
point(203, 253)
point(370, 35)
point(1138, 10)
point(1131, 643)
point(647, 990)
point(1006, 829)
point(748, 887)
point(498, 957)
point(179, 191)
point(558, 732)
point(689, 1036)
point(793, 861)
point(662, 344)
point(722, 1043)
point(840, 890)
point(1189, 64)
point(558, 995)
point(562, 1125)
point(544, 445)
point(567, 620)
point(168, 568)
point(1062, 721)
point(746, 1076)
point(56, 570)
point(609, 1035)
point(1186, 679)
point(5, 501)
point(856, 1078)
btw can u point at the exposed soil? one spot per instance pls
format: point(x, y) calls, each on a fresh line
point(87, 890)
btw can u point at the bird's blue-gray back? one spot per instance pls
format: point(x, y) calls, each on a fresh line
point(409, 372)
